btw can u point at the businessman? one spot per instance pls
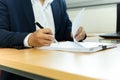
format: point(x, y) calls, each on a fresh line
point(18, 27)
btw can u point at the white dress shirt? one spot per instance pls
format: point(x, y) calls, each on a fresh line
point(43, 15)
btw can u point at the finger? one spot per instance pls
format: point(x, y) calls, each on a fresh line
point(41, 35)
point(80, 36)
point(79, 31)
point(45, 43)
point(48, 37)
point(47, 31)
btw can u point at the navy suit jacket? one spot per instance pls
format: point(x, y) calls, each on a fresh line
point(17, 21)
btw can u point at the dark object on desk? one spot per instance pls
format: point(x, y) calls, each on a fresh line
point(117, 34)
point(111, 35)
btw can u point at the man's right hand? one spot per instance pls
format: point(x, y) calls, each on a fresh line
point(41, 37)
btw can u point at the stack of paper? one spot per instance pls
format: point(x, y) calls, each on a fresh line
point(79, 46)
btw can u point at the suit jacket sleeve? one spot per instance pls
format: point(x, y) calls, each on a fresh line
point(68, 25)
point(8, 38)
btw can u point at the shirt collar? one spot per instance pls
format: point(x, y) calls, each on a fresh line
point(46, 3)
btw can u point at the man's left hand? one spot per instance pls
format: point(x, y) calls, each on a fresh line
point(80, 35)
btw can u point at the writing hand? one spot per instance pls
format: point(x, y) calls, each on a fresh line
point(41, 37)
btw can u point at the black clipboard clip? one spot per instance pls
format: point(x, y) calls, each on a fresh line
point(104, 47)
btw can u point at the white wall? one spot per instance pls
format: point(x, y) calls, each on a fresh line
point(97, 19)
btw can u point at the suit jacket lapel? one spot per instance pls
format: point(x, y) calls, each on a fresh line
point(56, 14)
point(29, 12)
point(30, 15)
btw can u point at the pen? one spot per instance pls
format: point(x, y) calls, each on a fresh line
point(39, 25)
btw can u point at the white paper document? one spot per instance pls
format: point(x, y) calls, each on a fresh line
point(79, 46)
point(76, 23)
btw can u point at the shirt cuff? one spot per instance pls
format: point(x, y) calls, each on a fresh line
point(26, 41)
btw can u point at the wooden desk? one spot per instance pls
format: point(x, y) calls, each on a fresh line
point(60, 65)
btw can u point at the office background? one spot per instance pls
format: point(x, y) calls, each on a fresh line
point(97, 17)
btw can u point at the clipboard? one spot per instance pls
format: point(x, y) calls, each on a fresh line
point(79, 46)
